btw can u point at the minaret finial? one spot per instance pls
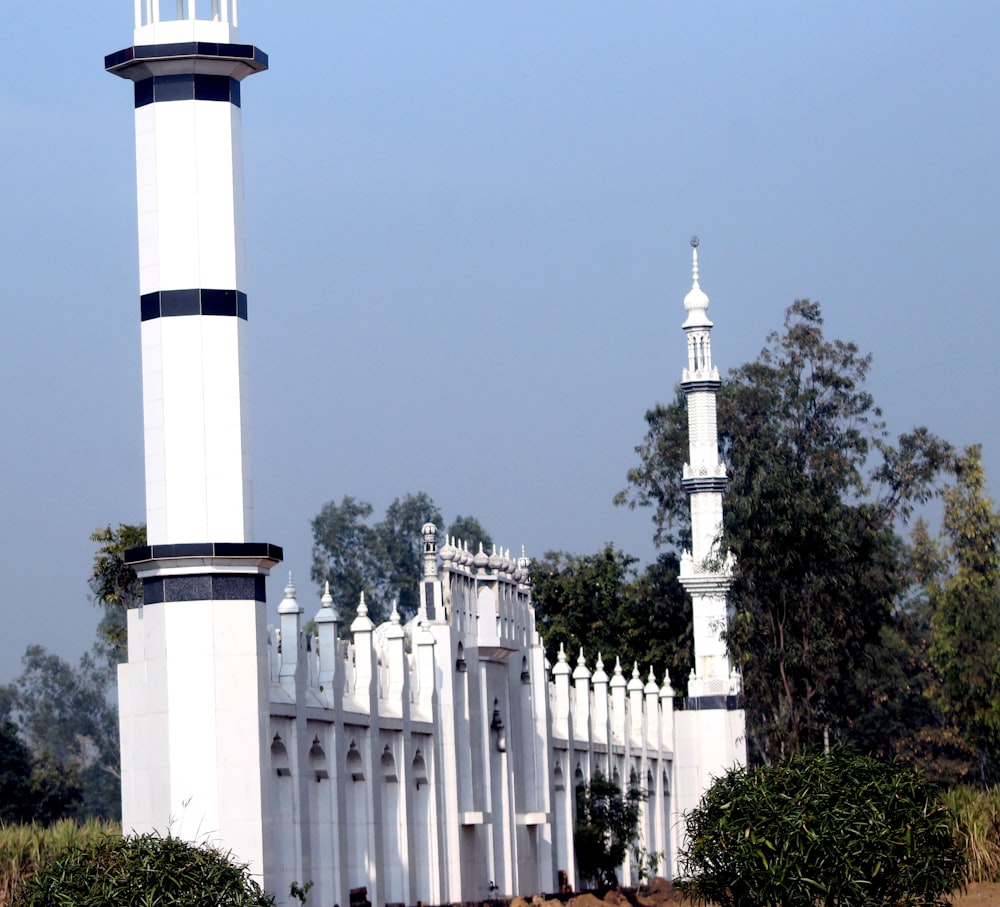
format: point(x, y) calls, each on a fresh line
point(696, 301)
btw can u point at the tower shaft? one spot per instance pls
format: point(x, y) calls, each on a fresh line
point(711, 729)
point(193, 695)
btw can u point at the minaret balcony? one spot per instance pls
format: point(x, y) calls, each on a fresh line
point(704, 478)
point(706, 379)
point(172, 21)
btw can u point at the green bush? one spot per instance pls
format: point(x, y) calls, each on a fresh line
point(607, 825)
point(824, 830)
point(147, 870)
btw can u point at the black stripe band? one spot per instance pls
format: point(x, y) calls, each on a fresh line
point(204, 549)
point(253, 58)
point(168, 303)
point(205, 587)
point(187, 86)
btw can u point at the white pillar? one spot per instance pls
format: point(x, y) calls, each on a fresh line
point(194, 692)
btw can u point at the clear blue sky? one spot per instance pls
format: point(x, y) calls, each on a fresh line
point(468, 230)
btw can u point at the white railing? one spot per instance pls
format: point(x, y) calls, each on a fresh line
point(149, 12)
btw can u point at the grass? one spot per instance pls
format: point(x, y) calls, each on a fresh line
point(977, 825)
point(23, 848)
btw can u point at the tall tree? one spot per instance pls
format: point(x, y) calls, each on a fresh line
point(965, 612)
point(817, 559)
point(600, 603)
point(71, 729)
point(344, 553)
point(469, 529)
point(400, 546)
point(382, 560)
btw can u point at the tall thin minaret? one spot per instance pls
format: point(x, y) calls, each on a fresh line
point(711, 734)
point(193, 695)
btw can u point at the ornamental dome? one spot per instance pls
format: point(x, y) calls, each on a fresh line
point(696, 301)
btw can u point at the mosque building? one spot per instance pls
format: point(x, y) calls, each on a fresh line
point(434, 761)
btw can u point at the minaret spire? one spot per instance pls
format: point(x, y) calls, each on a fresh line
point(703, 573)
point(711, 729)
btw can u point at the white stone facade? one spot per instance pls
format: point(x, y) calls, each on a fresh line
point(430, 761)
point(435, 762)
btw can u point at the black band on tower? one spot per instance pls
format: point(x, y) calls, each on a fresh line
point(187, 86)
point(168, 303)
point(204, 549)
point(202, 587)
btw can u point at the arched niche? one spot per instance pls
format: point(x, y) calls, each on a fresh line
point(317, 761)
point(419, 769)
point(355, 765)
point(279, 757)
point(388, 765)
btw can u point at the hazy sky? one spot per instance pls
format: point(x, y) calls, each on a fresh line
point(467, 237)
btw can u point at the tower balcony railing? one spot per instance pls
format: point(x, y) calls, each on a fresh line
point(151, 12)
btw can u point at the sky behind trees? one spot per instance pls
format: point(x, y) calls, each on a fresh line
point(467, 235)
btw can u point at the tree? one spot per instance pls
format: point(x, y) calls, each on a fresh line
point(142, 869)
point(816, 830)
point(598, 602)
point(817, 560)
point(114, 586)
point(71, 729)
point(965, 612)
point(15, 776)
point(903, 716)
point(607, 827)
point(399, 544)
point(345, 554)
point(469, 529)
point(384, 560)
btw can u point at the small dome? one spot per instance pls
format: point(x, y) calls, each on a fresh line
point(696, 301)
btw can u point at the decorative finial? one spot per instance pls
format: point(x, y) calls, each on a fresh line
point(327, 599)
point(394, 617)
point(696, 300)
point(562, 653)
point(288, 604)
point(362, 607)
point(581, 661)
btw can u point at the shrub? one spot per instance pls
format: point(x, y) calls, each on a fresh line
point(607, 825)
point(144, 869)
point(823, 830)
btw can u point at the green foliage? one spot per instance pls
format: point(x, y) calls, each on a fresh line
point(383, 559)
point(607, 827)
point(142, 869)
point(26, 847)
point(71, 729)
point(964, 600)
point(114, 585)
point(817, 562)
point(837, 829)
point(977, 825)
point(469, 529)
point(15, 775)
point(599, 603)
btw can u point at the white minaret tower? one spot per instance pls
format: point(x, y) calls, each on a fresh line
point(711, 730)
point(193, 694)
